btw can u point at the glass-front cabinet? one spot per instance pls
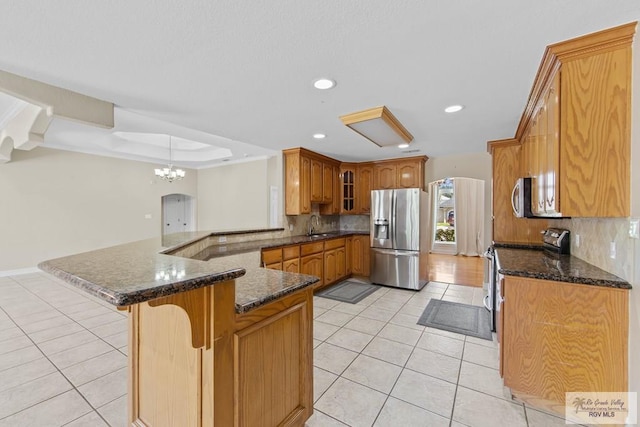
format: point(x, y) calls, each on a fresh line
point(347, 175)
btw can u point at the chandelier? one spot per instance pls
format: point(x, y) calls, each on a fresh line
point(170, 174)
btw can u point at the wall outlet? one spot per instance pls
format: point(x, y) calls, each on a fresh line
point(222, 239)
point(612, 250)
point(577, 240)
point(634, 228)
point(290, 227)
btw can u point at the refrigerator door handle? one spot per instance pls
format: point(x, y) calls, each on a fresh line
point(392, 225)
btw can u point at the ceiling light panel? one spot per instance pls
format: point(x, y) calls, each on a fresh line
point(379, 126)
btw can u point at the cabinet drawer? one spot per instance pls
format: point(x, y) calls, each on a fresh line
point(334, 243)
point(311, 248)
point(271, 256)
point(290, 252)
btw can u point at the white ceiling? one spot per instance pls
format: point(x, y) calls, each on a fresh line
point(238, 75)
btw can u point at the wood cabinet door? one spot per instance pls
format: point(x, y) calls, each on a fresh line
point(329, 266)
point(410, 174)
point(271, 257)
point(341, 260)
point(506, 227)
point(348, 255)
point(314, 266)
point(327, 183)
point(552, 342)
point(538, 183)
point(297, 184)
point(291, 265)
point(347, 189)
point(316, 181)
point(364, 185)
point(384, 176)
point(272, 366)
point(552, 140)
point(305, 185)
point(361, 256)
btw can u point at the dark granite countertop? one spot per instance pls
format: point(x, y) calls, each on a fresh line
point(221, 250)
point(535, 264)
point(136, 272)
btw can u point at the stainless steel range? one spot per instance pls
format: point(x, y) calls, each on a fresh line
point(491, 286)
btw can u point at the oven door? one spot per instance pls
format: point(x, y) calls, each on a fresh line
point(489, 300)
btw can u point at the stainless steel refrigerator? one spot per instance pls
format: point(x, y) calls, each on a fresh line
point(399, 247)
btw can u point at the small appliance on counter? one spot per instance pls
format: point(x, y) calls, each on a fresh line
point(556, 241)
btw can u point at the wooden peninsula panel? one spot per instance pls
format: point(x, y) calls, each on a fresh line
point(195, 362)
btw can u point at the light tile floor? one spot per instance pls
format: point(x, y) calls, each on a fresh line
point(63, 362)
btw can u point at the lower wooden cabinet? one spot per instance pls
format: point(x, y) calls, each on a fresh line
point(559, 337)
point(341, 263)
point(331, 260)
point(272, 258)
point(361, 256)
point(313, 265)
point(330, 266)
point(348, 256)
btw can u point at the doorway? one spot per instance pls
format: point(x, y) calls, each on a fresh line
point(178, 213)
point(457, 207)
point(443, 214)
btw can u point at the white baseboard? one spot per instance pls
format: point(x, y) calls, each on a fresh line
point(18, 272)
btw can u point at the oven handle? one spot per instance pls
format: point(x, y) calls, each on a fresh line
point(485, 303)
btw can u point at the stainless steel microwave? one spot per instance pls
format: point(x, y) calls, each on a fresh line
point(521, 198)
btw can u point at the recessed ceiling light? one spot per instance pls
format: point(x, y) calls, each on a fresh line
point(319, 135)
point(453, 108)
point(403, 146)
point(323, 84)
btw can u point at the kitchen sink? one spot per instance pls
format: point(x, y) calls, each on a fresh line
point(319, 235)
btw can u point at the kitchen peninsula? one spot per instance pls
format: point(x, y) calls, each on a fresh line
point(220, 342)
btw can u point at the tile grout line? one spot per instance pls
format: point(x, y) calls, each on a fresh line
point(403, 367)
point(56, 367)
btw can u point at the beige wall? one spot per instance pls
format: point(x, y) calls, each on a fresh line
point(56, 203)
point(472, 165)
point(234, 196)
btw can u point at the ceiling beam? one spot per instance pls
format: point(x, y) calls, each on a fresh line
point(60, 102)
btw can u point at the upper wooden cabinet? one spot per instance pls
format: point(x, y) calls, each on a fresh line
point(575, 129)
point(399, 173)
point(364, 185)
point(348, 188)
point(505, 156)
point(316, 181)
point(309, 178)
point(343, 188)
point(384, 176)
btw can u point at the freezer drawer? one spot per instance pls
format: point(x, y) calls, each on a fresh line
point(396, 268)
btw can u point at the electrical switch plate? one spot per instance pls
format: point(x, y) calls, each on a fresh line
point(577, 240)
point(147, 216)
point(612, 250)
point(222, 239)
point(634, 228)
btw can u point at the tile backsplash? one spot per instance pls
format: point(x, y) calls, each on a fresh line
point(596, 236)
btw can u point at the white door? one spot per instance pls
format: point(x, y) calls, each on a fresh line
point(177, 213)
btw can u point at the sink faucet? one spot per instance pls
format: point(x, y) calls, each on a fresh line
point(311, 220)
